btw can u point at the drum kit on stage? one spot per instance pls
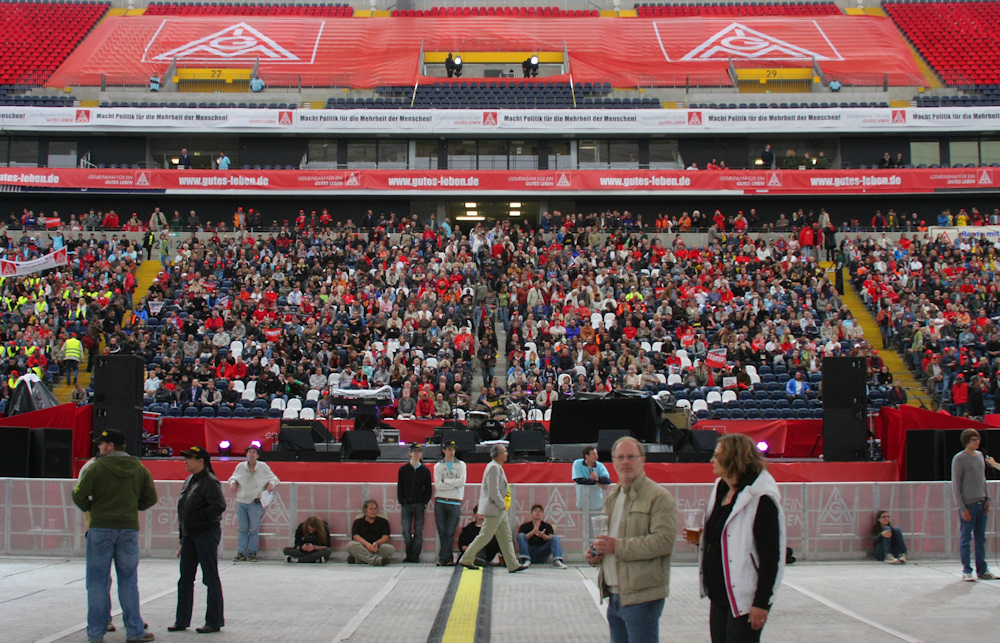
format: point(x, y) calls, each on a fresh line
point(494, 424)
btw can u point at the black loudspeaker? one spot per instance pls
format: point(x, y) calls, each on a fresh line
point(606, 439)
point(16, 452)
point(926, 456)
point(318, 456)
point(845, 414)
point(118, 397)
point(703, 441)
point(359, 445)
point(465, 441)
point(527, 444)
point(845, 434)
point(296, 440)
point(366, 418)
point(316, 427)
point(581, 421)
point(279, 456)
point(846, 379)
point(51, 453)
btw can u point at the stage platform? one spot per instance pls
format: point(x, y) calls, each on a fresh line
point(538, 472)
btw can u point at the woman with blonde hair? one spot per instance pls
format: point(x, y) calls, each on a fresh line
point(742, 542)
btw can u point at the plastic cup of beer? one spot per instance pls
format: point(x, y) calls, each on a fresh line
point(599, 525)
point(692, 527)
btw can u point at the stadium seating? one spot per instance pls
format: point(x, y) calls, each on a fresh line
point(509, 12)
point(650, 10)
point(326, 9)
point(64, 25)
point(959, 40)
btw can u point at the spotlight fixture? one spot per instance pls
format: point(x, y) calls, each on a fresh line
point(255, 444)
point(458, 66)
point(762, 447)
point(225, 448)
point(530, 67)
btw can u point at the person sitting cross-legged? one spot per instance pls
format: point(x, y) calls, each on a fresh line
point(537, 540)
point(312, 542)
point(370, 538)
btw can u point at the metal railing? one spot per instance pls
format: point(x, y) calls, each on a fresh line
point(824, 521)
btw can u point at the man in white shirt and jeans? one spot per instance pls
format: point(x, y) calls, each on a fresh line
point(250, 479)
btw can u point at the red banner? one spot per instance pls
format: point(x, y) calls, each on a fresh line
point(365, 53)
point(634, 182)
point(716, 358)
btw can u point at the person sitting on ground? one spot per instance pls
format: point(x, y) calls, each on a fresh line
point(370, 538)
point(469, 533)
point(537, 540)
point(312, 542)
point(889, 545)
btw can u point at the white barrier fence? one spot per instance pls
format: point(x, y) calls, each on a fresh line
point(825, 521)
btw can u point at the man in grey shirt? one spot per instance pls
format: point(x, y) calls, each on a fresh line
point(968, 484)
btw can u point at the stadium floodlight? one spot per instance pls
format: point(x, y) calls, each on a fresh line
point(458, 66)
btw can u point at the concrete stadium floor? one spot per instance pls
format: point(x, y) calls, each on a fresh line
point(44, 599)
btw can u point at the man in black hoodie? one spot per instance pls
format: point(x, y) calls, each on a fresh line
point(414, 489)
point(114, 488)
point(199, 514)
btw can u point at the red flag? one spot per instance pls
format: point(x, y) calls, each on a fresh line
point(716, 358)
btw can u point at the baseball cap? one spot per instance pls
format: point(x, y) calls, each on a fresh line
point(114, 436)
point(197, 452)
point(450, 443)
point(416, 446)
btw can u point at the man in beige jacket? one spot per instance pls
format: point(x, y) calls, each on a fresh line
point(493, 501)
point(635, 554)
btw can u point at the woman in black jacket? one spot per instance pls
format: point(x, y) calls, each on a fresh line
point(312, 542)
point(199, 513)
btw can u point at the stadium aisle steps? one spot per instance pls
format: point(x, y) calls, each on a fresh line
point(914, 391)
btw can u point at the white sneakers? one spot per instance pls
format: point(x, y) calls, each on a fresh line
point(892, 560)
point(557, 562)
point(525, 562)
point(968, 578)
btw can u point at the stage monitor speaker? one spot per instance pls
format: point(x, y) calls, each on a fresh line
point(490, 430)
point(296, 440)
point(701, 442)
point(465, 440)
point(606, 439)
point(845, 434)
point(527, 444)
point(318, 456)
point(51, 453)
point(316, 427)
point(849, 376)
point(581, 421)
point(16, 452)
point(926, 456)
point(279, 456)
point(359, 445)
point(366, 418)
point(117, 397)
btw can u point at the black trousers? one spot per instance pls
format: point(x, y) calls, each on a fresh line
point(726, 628)
point(202, 549)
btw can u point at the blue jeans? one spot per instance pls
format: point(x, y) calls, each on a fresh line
point(446, 517)
point(539, 554)
point(121, 546)
point(203, 550)
point(72, 370)
point(975, 527)
point(639, 623)
point(248, 515)
point(413, 528)
point(893, 545)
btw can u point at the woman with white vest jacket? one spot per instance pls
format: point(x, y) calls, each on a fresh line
point(742, 542)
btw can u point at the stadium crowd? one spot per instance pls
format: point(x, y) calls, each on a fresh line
point(238, 319)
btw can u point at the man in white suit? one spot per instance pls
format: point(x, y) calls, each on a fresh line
point(493, 503)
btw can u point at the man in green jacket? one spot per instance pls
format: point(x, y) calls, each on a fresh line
point(114, 489)
point(635, 554)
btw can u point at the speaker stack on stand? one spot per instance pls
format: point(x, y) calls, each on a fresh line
point(118, 398)
point(845, 409)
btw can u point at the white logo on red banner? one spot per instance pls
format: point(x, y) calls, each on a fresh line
point(563, 181)
point(142, 179)
point(716, 358)
point(285, 118)
point(740, 41)
point(489, 118)
point(8, 269)
point(83, 116)
point(774, 181)
point(353, 179)
point(899, 117)
point(986, 178)
point(694, 118)
point(240, 41)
